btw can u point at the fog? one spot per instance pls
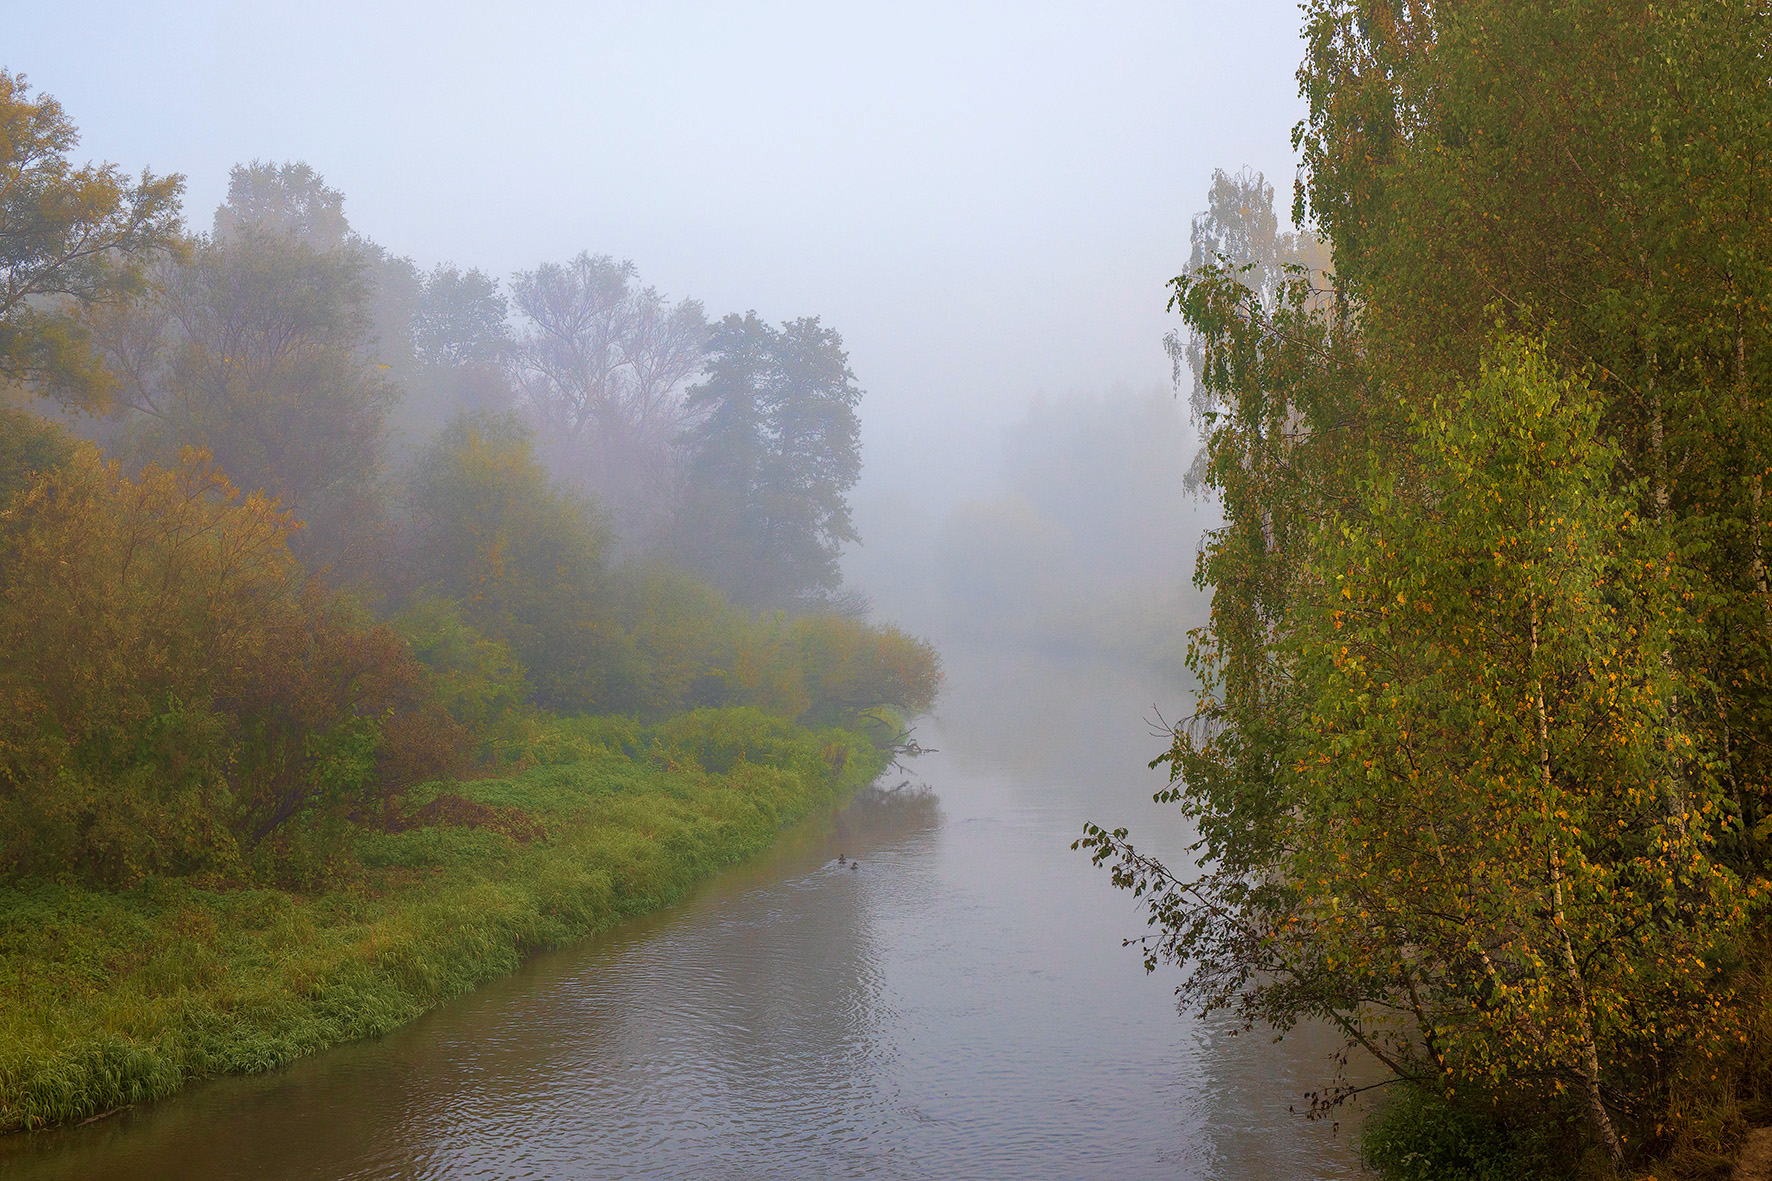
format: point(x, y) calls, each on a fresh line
point(985, 200)
point(1081, 549)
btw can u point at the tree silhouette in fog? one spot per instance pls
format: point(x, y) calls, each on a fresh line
point(599, 367)
point(773, 457)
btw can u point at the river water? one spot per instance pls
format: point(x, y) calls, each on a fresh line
point(957, 1004)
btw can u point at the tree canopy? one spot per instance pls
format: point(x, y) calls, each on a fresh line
point(73, 237)
point(600, 364)
point(255, 348)
point(773, 455)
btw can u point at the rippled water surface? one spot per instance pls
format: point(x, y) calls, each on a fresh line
point(959, 1005)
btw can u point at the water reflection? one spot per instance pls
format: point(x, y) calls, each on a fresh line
point(957, 1005)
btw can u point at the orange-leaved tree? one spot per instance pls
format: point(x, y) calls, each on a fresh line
point(174, 695)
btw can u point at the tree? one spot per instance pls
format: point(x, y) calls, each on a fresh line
point(70, 238)
point(175, 698)
point(29, 446)
point(256, 348)
point(461, 319)
point(290, 201)
point(444, 338)
point(524, 558)
point(853, 668)
point(772, 459)
point(1485, 866)
point(438, 339)
point(1240, 232)
point(1599, 170)
point(599, 367)
point(1545, 737)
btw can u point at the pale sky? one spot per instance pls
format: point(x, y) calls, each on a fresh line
point(984, 199)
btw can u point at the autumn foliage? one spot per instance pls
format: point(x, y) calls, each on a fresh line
point(245, 619)
point(526, 564)
point(180, 697)
point(1478, 770)
point(268, 625)
point(176, 693)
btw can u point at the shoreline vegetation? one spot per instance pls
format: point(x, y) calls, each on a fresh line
point(363, 629)
point(116, 998)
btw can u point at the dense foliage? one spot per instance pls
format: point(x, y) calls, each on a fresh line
point(1479, 770)
point(253, 349)
point(175, 694)
point(526, 562)
point(340, 658)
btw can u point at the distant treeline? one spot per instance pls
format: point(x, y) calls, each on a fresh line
point(1480, 769)
point(289, 527)
point(310, 362)
point(1081, 552)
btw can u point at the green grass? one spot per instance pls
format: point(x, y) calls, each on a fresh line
point(109, 999)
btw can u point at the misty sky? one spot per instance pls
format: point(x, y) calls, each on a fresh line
point(984, 199)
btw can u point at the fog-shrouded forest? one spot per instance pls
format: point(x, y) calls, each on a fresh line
point(869, 596)
point(310, 557)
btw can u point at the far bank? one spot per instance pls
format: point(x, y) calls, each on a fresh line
point(120, 998)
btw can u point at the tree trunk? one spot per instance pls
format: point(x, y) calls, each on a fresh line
point(1589, 1067)
point(1756, 490)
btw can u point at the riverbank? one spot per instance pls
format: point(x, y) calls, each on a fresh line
point(112, 999)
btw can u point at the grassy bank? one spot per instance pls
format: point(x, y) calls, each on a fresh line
point(108, 999)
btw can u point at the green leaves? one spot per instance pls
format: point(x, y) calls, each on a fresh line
point(1473, 769)
point(525, 559)
point(1479, 774)
point(69, 238)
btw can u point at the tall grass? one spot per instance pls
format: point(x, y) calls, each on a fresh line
point(109, 999)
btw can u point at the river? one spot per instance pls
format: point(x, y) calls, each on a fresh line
point(929, 983)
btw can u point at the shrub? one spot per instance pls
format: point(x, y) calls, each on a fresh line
point(1421, 1136)
point(851, 667)
point(476, 679)
point(694, 649)
point(29, 445)
point(174, 695)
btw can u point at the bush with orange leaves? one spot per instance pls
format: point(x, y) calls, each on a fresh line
point(176, 699)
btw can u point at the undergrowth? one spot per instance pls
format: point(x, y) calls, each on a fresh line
point(1418, 1135)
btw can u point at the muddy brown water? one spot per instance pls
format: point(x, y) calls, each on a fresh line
point(957, 1006)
